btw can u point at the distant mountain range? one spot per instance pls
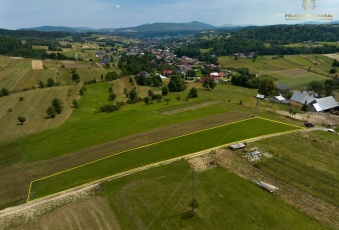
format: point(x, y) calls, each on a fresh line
point(169, 27)
point(154, 27)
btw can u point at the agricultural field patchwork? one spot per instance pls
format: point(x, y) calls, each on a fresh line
point(156, 152)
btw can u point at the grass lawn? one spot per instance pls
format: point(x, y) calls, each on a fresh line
point(157, 152)
point(309, 161)
point(158, 199)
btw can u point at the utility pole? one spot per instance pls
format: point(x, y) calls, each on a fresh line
point(193, 191)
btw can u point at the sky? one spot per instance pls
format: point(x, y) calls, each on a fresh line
point(15, 14)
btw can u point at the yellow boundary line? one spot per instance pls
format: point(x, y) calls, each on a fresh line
point(157, 163)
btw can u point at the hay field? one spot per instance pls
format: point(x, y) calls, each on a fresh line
point(33, 76)
point(33, 108)
point(302, 82)
point(292, 73)
point(37, 64)
point(89, 213)
point(77, 65)
point(10, 77)
point(332, 56)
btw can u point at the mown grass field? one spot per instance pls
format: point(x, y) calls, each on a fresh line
point(309, 161)
point(33, 108)
point(302, 82)
point(86, 128)
point(157, 152)
point(158, 199)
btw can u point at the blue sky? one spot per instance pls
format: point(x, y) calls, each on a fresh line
point(16, 14)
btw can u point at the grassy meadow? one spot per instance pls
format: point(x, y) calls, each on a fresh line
point(157, 152)
point(309, 161)
point(158, 199)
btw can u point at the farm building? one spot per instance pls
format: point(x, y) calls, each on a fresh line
point(324, 104)
point(299, 98)
point(260, 96)
point(284, 88)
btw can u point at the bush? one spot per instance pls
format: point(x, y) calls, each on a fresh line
point(22, 119)
point(51, 112)
point(193, 93)
point(4, 92)
point(50, 82)
point(109, 108)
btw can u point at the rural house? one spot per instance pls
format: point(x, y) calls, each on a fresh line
point(299, 98)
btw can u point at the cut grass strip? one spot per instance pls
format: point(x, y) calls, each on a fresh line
point(157, 152)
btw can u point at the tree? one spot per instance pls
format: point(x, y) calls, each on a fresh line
point(333, 70)
point(147, 100)
point(209, 83)
point(133, 96)
point(112, 96)
point(41, 84)
point(57, 105)
point(292, 111)
point(318, 87)
point(4, 92)
point(51, 112)
point(164, 91)
point(76, 103)
point(267, 87)
point(50, 82)
point(82, 90)
point(193, 93)
point(329, 86)
point(176, 84)
point(75, 77)
point(21, 119)
point(150, 93)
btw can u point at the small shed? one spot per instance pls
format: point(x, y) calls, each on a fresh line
point(260, 96)
point(237, 146)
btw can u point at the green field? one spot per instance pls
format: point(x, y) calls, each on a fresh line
point(157, 152)
point(302, 82)
point(158, 199)
point(309, 161)
point(85, 128)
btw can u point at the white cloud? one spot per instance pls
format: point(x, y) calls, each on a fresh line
point(117, 7)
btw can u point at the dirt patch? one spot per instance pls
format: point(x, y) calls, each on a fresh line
point(88, 213)
point(37, 64)
point(193, 107)
point(316, 118)
point(292, 73)
point(313, 206)
point(203, 163)
point(333, 56)
point(19, 215)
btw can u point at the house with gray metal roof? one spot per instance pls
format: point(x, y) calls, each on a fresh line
point(299, 98)
point(324, 104)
